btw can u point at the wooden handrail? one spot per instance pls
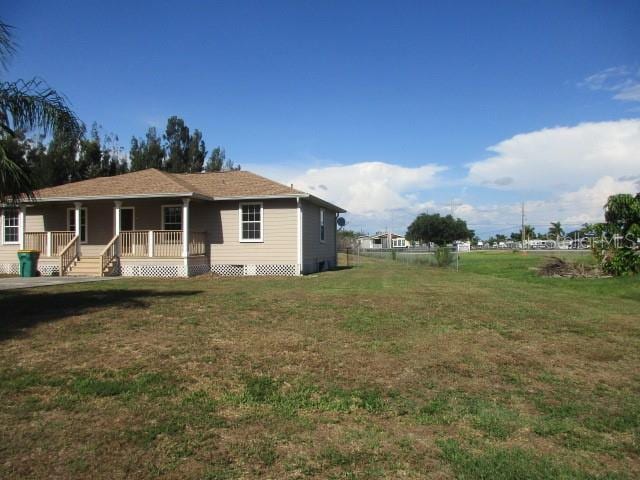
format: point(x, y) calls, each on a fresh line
point(108, 254)
point(68, 255)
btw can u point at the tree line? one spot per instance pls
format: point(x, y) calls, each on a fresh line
point(65, 159)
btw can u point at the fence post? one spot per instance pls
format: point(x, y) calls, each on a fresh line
point(150, 248)
point(48, 244)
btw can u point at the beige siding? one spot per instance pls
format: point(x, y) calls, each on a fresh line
point(314, 251)
point(221, 222)
point(8, 253)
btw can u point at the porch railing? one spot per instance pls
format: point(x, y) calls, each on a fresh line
point(109, 253)
point(59, 240)
point(167, 243)
point(134, 243)
point(49, 244)
point(36, 241)
point(160, 243)
point(68, 255)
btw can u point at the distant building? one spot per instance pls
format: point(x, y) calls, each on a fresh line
point(382, 240)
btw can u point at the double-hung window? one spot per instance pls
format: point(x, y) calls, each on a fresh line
point(250, 222)
point(322, 224)
point(172, 217)
point(11, 226)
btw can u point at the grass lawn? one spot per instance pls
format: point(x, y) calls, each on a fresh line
point(382, 371)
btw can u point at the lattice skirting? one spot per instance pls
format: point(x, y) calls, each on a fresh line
point(49, 270)
point(14, 269)
point(199, 269)
point(240, 270)
point(9, 268)
point(151, 270)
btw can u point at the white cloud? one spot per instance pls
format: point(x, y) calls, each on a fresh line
point(562, 173)
point(584, 205)
point(622, 81)
point(561, 158)
point(370, 188)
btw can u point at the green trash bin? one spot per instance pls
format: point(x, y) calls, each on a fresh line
point(28, 261)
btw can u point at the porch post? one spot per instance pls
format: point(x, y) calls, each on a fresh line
point(118, 205)
point(78, 206)
point(48, 244)
point(185, 227)
point(150, 248)
point(21, 224)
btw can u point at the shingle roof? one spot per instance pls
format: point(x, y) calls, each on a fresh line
point(152, 182)
point(234, 184)
point(143, 182)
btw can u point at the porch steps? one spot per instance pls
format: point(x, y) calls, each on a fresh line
point(86, 267)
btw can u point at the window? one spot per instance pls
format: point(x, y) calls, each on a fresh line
point(250, 222)
point(71, 222)
point(11, 226)
point(172, 217)
point(398, 242)
point(322, 224)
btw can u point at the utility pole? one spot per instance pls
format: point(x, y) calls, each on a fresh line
point(522, 231)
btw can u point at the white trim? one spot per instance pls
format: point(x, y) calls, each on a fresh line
point(185, 228)
point(323, 227)
point(86, 222)
point(2, 227)
point(250, 240)
point(299, 233)
point(133, 217)
point(116, 220)
point(121, 197)
point(176, 205)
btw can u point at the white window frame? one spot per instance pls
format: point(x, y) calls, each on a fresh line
point(86, 223)
point(162, 216)
point(17, 242)
point(323, 229)
point(250, 240)
point(133, 217)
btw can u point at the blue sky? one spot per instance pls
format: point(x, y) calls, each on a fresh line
point(353, 100)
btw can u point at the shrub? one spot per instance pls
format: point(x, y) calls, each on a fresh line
point(621, 261)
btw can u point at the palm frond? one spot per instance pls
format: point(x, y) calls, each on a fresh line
point(15, 181)
point(29, 105)
point(7, 46)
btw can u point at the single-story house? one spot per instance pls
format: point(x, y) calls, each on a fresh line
point(382, 240)
point(155, 223)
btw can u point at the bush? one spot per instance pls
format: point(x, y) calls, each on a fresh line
point(443, 257)
point(621, 261)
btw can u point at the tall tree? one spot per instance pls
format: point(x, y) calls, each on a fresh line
point(529, 232)
point(27, 106)
point(438, 229)
point(176, 139)
point(556, 230)
point(147, 152)
point(90, 159)
point(196, 152)
point(216, 160)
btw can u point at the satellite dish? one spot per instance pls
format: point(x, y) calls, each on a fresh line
point(341, 222)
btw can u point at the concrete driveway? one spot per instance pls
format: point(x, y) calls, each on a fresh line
point(12, 283)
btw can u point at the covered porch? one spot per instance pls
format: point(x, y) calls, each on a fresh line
point(106, 238)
